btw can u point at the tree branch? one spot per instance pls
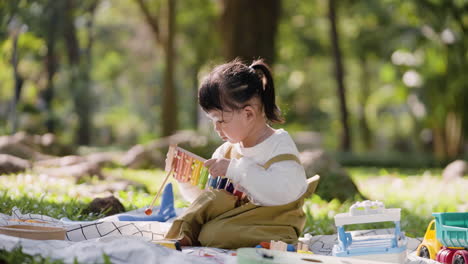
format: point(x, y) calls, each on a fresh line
point(457, 15)
point(152, 20)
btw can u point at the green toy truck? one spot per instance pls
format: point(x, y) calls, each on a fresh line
point(446, 239)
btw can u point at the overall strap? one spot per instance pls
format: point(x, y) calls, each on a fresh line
point(231, 153)
point(227, 155)
point(281, 157)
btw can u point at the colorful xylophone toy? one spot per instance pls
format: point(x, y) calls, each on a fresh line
point(188, 167)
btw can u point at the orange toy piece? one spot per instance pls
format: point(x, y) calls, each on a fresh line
point(265, 245)
point(28, 221)
point(148, 211)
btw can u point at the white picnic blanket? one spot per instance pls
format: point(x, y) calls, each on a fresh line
point(130, 242)
point(85, 230)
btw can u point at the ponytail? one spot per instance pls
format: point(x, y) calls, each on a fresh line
point(267, 93)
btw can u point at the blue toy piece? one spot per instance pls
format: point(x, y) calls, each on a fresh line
point(213, 181)
point(291, 248)
point(166, 210)
point(222, 183)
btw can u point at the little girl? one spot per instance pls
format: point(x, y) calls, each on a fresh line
point(260, 161)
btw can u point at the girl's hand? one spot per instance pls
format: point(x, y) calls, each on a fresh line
point(217, 167)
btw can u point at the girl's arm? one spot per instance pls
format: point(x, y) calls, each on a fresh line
point(283, 182)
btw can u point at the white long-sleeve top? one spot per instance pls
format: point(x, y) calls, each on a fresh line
point(282, 183)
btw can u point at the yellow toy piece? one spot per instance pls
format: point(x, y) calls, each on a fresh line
point(430, 245)
point(172, 244)
point(305, 252)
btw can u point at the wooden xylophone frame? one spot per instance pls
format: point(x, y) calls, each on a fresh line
point(188, 167)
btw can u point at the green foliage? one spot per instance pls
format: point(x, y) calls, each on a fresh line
point(382, 42)
point(107, 259)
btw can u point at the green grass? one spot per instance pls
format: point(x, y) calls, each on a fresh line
point(17, 256)
point(418, 192)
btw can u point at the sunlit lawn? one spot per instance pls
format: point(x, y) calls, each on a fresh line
point(61, 197)
point(417, 192)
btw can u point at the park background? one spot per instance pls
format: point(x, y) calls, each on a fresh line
point(373, 93)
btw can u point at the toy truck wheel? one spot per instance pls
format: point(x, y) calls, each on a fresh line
point(445, 255)
point(424, 252)
point(460, 257)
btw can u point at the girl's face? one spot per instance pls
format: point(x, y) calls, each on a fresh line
point(232, 126)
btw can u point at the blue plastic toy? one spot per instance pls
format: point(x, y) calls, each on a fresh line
point(389, 248)
point(166, 210)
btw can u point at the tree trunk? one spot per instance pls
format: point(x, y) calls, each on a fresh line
point(85, 67)
point(73, 48)
point(439, 143)
point(248, 29)
point(339, 76)
point(166, 40)
point(453, 134)
point(366, 135)
point(169, 107)
point(78, 84)
point(51, 67)
point(17, 85)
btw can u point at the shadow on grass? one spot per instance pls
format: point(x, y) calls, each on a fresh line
point(320, 218)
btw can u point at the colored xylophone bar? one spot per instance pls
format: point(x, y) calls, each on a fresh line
point(188, 167)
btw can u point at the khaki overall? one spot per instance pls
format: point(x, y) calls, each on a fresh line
point(217, 219)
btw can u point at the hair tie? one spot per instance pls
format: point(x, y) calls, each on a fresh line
point(259, 72)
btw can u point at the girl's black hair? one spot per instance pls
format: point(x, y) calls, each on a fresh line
point(231, 85)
